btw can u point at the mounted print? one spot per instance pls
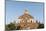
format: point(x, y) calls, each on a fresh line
point(24, 15)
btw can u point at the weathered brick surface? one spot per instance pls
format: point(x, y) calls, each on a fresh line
point(30, 24)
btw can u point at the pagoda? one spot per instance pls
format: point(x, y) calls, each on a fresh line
point(26, 21)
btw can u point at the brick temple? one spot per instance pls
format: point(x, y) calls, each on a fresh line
point(26, 21)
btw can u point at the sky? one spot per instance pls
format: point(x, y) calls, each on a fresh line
point(14, 9)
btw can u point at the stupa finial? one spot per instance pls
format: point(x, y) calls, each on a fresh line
point(26, 11)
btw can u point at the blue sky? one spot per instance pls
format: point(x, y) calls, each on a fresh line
point(15, 9)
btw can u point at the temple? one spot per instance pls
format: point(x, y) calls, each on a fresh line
point(26, 21)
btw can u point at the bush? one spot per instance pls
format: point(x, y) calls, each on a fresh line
point(10, 26)
point(41, 26)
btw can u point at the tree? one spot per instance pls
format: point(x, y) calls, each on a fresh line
point(41, 26)
point(10, 26)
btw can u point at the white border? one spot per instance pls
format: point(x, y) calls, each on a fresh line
point(2, 14)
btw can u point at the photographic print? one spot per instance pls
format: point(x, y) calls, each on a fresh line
point(24, 15)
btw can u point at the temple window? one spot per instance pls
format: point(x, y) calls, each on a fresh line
point(31, 21)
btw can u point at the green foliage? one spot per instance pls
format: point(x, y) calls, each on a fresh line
point(10, 26)
point(41, 26)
